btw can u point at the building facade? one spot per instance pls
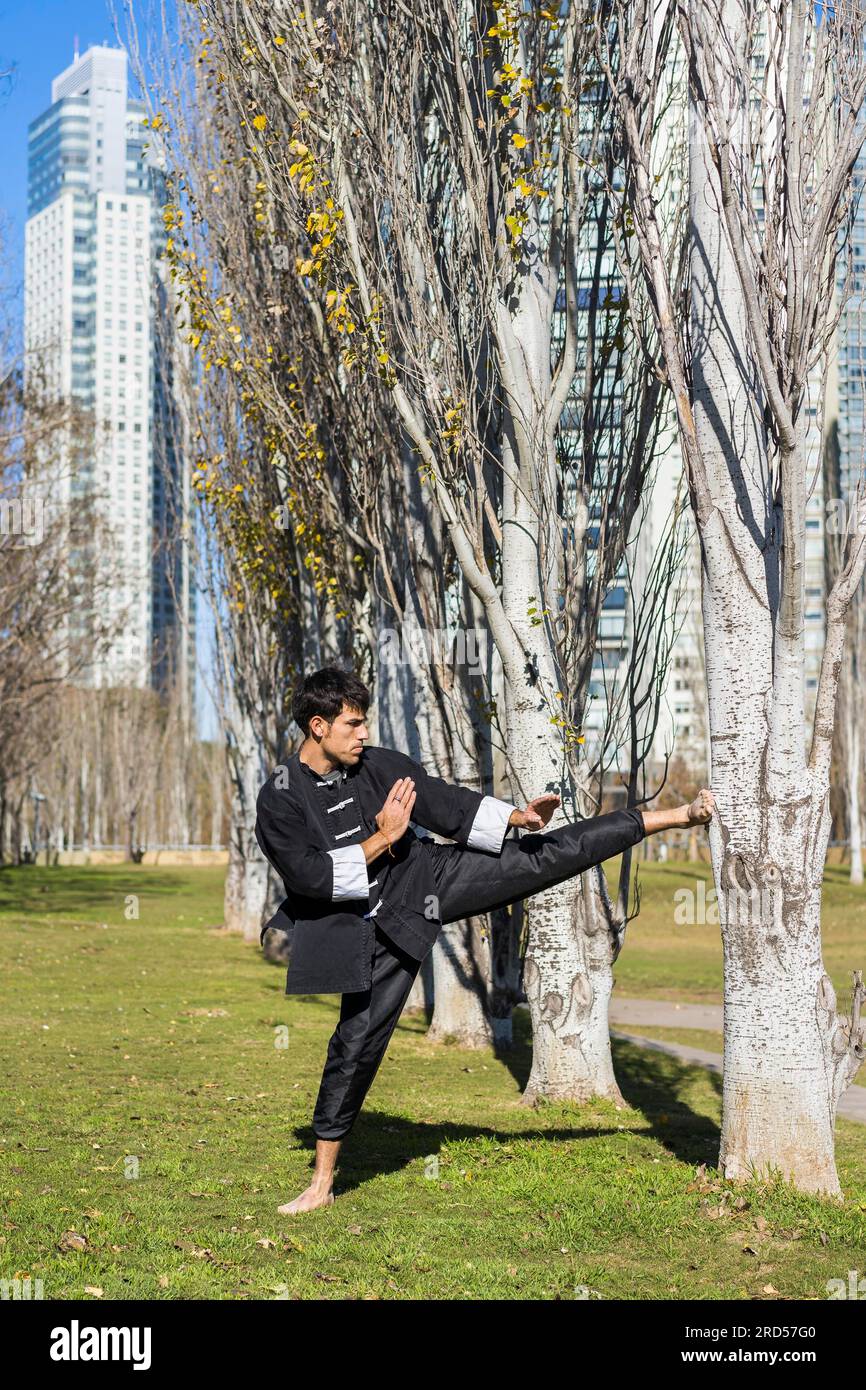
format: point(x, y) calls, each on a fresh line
point(97, 317)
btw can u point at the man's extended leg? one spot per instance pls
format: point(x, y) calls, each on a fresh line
point(367, 1020)
point(472, 881)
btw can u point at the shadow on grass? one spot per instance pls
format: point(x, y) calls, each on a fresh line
point(651, 1083)
point(71, 891)
point(380, 1143)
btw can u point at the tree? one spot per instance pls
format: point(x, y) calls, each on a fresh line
point(435, 176)
point(775, 91)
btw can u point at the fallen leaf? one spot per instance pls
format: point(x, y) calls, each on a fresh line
point(71, 1240)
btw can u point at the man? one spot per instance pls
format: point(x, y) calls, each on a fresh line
point(366, 897)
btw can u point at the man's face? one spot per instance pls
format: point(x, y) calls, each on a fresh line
point(343, 740)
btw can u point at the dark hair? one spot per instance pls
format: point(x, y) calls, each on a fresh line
point(325, 692)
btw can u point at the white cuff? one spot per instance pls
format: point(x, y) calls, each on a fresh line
point(350, 873)
point(490, 824)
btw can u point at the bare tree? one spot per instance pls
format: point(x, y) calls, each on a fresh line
point(841, 515)
point(775, 91)
point(334, 501)
point(439, 182)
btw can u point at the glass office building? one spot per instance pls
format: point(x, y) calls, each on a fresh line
point(96, 295)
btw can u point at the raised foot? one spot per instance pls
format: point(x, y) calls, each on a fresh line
point(308, 1201)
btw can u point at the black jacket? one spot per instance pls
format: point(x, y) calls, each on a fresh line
point(310, 829)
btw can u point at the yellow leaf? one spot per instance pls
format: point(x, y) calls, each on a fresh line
point(279, 41)
point(518, 141)
point(260, 122)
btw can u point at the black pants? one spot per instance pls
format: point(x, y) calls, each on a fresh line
point(469, 882)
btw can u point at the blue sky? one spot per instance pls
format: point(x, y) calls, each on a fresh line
point(37, 41)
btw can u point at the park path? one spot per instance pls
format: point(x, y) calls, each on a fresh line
point(662, 1013)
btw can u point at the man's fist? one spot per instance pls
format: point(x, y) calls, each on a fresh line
point(701, 809)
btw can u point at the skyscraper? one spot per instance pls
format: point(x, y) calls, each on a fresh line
point(96, 300)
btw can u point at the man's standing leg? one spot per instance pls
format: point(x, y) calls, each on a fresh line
point(367, 1020)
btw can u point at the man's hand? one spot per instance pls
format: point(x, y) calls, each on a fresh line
point(700, 811)
point(537, 813)
point(394, 817)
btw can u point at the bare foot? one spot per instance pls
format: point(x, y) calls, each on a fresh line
point(308, 1201)
point(701, 809)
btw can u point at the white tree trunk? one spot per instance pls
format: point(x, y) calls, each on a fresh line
point(247, 880)
point(854, 759)
point(567, 979)
point(460, 966)
point(461, 981)
point(782, 1072)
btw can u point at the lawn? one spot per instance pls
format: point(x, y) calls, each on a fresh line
point(662, 959)
point(157, 1097)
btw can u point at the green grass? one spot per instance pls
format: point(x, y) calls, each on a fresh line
point(664, 960)
point(152, 1041)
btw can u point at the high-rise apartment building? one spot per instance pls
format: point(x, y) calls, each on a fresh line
point(96, 297)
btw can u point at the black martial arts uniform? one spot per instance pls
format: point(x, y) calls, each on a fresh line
point(370, 947)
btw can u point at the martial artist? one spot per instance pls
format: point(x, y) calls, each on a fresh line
point(366, 897)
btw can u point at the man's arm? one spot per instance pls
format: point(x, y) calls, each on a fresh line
point(335, 875)
point(473, 820)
